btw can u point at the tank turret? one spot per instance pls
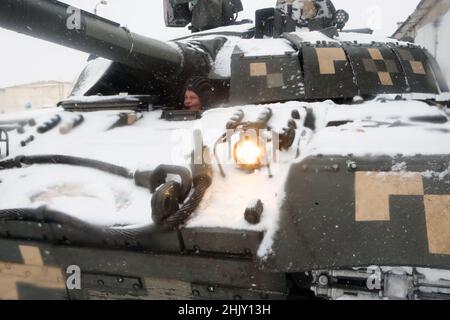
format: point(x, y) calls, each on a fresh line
point(300, 65)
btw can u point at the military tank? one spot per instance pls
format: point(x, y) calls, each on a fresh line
point(319, 169)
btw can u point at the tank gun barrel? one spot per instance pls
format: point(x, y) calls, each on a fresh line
point(62, 24)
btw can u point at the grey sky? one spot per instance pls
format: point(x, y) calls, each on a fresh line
point(24, 59)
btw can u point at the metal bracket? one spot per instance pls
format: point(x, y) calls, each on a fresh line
point(4, 142)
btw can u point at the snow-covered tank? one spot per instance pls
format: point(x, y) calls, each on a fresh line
point(320, 169)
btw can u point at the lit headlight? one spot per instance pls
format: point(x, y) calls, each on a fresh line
point(248, 152)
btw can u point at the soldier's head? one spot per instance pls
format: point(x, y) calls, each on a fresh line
point(198, 94)
point(192, 100)
point(306, 8)
point(300, 10)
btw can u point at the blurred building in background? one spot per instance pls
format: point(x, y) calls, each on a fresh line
point(429, 26)
point(33, 95)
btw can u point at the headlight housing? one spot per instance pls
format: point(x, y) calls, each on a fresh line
point(249, 151)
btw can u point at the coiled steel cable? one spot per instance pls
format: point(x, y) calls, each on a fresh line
point(42, 215)
point(201, 185)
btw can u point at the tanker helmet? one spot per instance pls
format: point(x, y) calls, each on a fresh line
point(203, 88)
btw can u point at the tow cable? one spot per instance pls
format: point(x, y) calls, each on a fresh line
point(170, 209)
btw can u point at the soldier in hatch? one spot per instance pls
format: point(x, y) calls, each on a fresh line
point(314, 14)
point(198, 94)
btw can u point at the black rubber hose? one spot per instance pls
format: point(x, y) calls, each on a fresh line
point(68, 160)
point(146, 179)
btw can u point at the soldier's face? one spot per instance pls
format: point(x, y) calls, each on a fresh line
point(192, 101)
point(309, 9)
point(304, 9)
